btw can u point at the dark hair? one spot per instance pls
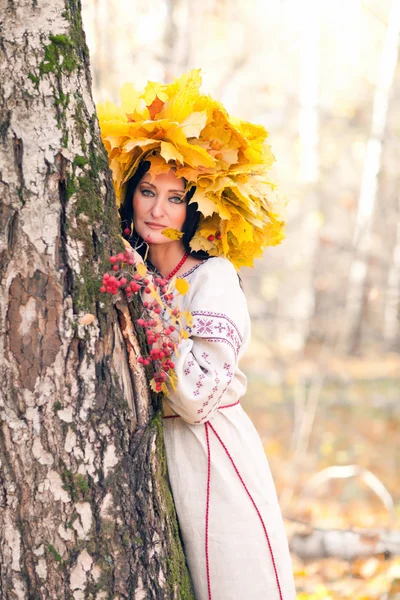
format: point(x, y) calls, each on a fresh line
point(126, 213)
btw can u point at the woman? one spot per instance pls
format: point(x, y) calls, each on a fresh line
point(224, 495)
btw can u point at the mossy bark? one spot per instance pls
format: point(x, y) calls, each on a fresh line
point(85, 507)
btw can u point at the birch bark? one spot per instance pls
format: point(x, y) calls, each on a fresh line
point(85, 508)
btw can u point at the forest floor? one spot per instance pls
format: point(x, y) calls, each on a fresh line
point(356, 422)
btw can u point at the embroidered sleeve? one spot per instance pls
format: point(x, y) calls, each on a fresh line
point(207, 361)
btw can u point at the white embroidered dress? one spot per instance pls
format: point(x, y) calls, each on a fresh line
point(224, 495)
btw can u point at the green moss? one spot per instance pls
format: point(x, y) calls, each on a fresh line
point(35, 80)
point(62, 100)
point(137, 541)
point(178, 574)
point(59, 55)
point(80, 161)
point(57, 406)
point(71, 187)
point(54, 552)
point(82, 484)
point(61, 40)
point(72, 13)
point(80, 121)
point(89, 198)
point(76, 485)
point(64, 139)
point(87, 287)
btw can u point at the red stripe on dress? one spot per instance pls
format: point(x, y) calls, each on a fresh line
point(178, 416)
point(229, 405)
point(253, 502)
point(208, 509)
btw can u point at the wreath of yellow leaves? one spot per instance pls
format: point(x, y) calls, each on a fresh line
point(176, 126)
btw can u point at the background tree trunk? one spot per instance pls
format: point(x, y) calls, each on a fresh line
point(85, 508)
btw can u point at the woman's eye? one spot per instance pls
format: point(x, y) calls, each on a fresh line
point(177, 199)
point(147, 192)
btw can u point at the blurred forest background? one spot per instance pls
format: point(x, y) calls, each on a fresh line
point(324, 365)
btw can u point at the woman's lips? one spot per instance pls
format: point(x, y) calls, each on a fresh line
point(155, 226)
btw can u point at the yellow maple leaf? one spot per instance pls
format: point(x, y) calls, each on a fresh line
point(153, 90)
point(132, 104)
point(173, 380)
point(125, 242)
point(194, 123)
point(141, 269)
point(187, 315)
point(206, 206)
point(182, 286)
point(182, 95)
point(169, 152)
point(172, 234)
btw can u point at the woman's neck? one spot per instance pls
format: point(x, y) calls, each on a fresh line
point(165, 257)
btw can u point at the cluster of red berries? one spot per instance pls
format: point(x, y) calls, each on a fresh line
point(157, 334)
point(217, 236)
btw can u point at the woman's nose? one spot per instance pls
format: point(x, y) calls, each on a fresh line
point(157, 210)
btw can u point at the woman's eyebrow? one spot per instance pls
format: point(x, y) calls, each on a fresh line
point(153, 186)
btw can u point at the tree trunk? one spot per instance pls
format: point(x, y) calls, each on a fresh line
point(85, 508)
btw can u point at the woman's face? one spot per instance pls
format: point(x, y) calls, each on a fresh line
point(159, 204)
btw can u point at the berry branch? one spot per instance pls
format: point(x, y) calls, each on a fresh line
point(162, 322)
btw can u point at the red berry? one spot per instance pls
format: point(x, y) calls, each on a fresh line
point(123, 280)
point(171, 364)
point(121, 257)
point(106, 276)
point(140, 322)
point(137, 277)
point(211, 238)
point(115, 268)
point(127, 231)
point(146, 362)
point(103, 289)
point(218, 235)
point(113, 260)
point(145, 304)
point(147, 290)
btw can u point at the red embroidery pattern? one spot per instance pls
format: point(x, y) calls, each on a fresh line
point(216, 317)
point(207, 425)
point(216, 327)
point(229, 374)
